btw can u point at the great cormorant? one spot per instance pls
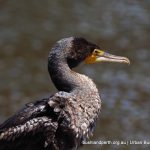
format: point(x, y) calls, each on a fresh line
point(65, 119)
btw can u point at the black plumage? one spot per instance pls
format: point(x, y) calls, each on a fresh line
point(65, 119)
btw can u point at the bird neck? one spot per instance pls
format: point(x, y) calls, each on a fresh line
point(62, 76)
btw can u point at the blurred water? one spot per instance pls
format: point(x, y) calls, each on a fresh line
point(27, 32)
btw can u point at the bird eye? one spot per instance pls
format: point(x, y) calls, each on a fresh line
point(96, 51)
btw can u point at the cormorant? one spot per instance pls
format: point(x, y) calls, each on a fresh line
point(65, 119)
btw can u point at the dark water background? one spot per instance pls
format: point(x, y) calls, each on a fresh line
point(28, 29)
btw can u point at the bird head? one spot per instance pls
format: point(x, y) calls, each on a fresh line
point(82, 50)
point(75, 50)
